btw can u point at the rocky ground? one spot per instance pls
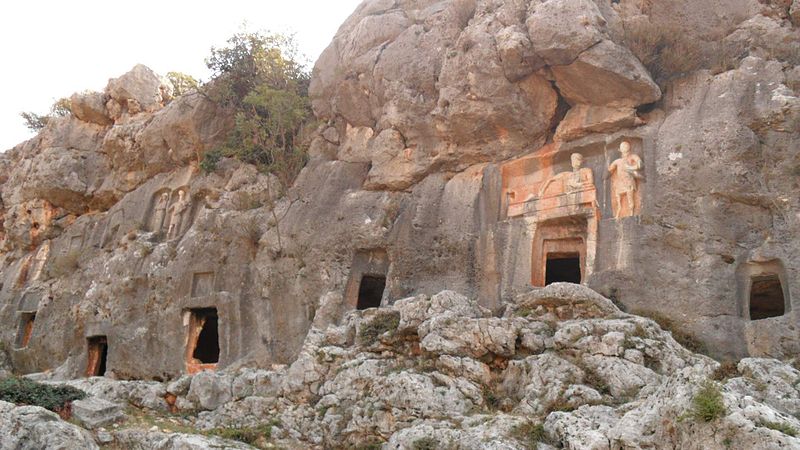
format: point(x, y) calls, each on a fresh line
point(562, 367)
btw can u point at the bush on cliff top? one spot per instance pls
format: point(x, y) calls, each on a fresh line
point(27, 392)
point(35, 122)
point(258, 76)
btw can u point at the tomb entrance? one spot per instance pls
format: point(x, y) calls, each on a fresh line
point(370, 291)
point(202, 351)
point(25, 329)
point(766, 297)
point(762, 289)
point(97, 349)
point(367, 283)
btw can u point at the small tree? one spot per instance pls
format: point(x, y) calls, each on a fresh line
point(259, 78)
point(182, 83)
point(35, 122)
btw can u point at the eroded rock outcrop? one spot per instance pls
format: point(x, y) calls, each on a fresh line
point(479, 146)
point(563, 368)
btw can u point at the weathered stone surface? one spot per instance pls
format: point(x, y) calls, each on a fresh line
point(582, 120)
point(560, 30)
point(157, 440)
point(142, 86)
point(91, 107)
point(438, 116)
point(606, 75)
point(32, 427)
point(95, 412)
point(209, 390)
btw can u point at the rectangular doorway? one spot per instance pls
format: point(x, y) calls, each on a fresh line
point(202, 351)
point(370, 291)
point(97, 349)
point(563, 268)
point(25, 332)
point(766, 297)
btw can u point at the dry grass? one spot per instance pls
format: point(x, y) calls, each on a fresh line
point(669, 52)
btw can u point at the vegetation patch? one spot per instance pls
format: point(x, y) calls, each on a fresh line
point(22, 391)
point(530, 434)
point(783, 427)
point(707, 403)
point(255, 436)
point(384, 322)
point(726, 370)
point(426, 443)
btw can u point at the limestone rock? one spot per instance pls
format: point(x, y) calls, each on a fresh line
point(158, 440)
point(209, 390)
point(95, 412)
point(560, 30)
point(582, 120)
point(91, 107)
point(141, 87)
point(607, 74)
point(32, 427)
point(563, 298)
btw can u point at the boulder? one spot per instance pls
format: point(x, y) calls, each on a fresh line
point(582, 120)
point(560, 30)
point(33, 428)
point(606, 75)
point(141, 87)
point(91, 107)
point(564, 301)
point(94, 412)
point(209, 390)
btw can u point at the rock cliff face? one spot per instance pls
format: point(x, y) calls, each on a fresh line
point(444, 162)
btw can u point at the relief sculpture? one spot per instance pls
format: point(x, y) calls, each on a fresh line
point(178, 211)
point(626, 175)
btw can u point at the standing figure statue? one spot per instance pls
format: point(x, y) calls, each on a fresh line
point(626, 174)
point(160, 212)
point(579, 179)
point(176, 219)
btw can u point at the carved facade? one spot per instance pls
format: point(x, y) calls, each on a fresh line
point(170, 213)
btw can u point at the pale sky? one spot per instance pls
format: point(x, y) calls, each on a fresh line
point(53, 48)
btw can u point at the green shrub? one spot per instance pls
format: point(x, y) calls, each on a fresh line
point(181, 83)
point(382, 323)
point(530, 434)
point(27, 392)
point(783, 427)
point(249, 435)
point(35, 122)
point(707, 403)
point(258, 77)
point(426, 443)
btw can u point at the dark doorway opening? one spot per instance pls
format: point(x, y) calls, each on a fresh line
point(766, 298)
point(25, 329)
point(98, 355)
point(206, 349)
point(370, 292)
point(563, 268)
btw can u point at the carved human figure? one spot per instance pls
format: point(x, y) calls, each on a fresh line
point(626, 174)
point(178, 210)
point(578, 179)
point(160, 212)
